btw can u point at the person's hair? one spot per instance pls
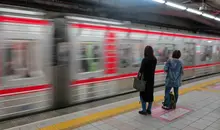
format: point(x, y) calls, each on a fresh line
point(149, 52)
point(176, 54)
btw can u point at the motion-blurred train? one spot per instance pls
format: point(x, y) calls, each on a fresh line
point(52, 63)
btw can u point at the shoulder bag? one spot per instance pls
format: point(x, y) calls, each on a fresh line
point(139, 84)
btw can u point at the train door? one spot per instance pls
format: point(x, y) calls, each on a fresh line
point(61, 64)
point(26, 65)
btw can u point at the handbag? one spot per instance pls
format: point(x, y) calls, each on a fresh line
point(139, 84)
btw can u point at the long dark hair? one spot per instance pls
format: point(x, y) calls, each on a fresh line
point(149, 52)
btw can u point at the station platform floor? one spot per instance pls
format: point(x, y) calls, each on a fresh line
point(198, 108)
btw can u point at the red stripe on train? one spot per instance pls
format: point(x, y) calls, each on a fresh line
point(31, 89)
point(124, 76)
point(23, 20)
point(110, 78)
point(97, 27)
point(23, 90)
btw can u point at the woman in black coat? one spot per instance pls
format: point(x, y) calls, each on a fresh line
point(147, 70)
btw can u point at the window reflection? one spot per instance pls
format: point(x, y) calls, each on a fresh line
point(206, 53)
point(19, 59)
point(90, 54)
point(137, 55)
point(124, 55)
point(163, 52)
point(218, 52)
point(188, 53)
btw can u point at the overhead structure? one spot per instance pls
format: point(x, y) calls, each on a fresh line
point(210, 6)
point(178, 14)
point(195, 11)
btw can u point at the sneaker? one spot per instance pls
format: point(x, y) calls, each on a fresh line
point(165, 107)
point(142, 113)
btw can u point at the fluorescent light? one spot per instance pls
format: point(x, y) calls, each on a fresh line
point(208, 16)
point(95, 20)
point(20, 11)
point(176, 5)
point(209, 41)
point(217, 19)
point(21, 17)
point(160, 1)
point(194, 11)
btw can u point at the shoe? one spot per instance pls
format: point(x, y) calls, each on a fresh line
point(149, 112)
point(165, 107)
point(174, 106)
point(142, 113)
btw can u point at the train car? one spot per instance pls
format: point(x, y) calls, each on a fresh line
point(25, 62)
point(107, 55)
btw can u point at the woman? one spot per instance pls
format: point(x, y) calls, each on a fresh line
point(174, 70)
point(147, 70)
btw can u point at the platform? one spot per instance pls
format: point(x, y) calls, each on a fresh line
point(198, 108)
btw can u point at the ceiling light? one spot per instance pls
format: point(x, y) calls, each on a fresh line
point(160, 1)
point(194, 11)
point(95, 20)
point(20, 11)
point(176, 5)
point(15, 16)
point(208, 16)
point(217, 19)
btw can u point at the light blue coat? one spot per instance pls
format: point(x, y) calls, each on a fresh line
point(174, 70)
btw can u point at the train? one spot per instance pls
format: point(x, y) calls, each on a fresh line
point(74, 59)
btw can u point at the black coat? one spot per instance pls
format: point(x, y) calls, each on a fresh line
point(147, 70)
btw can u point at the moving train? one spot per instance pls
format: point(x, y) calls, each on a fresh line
point(79, 58)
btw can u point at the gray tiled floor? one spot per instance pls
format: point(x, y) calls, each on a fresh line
point(205, 115)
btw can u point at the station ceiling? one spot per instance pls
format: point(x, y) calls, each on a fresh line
point(136, 11)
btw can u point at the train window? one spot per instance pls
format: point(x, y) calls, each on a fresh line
point(206, 53)
point(218, 52)
point(125, 55)
point(188, 53)
point(138, 54)
point(163, 52)
point(90, 57)
point(19, 59)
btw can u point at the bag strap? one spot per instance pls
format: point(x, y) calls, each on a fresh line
point(141, 76)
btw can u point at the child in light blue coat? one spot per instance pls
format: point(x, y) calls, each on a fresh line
point(174, 70)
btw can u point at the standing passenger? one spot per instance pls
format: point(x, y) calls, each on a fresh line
point(174, 70)
point(147, 70)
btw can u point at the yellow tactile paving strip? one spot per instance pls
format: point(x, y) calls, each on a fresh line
point(77, 122)
point(209, 89)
